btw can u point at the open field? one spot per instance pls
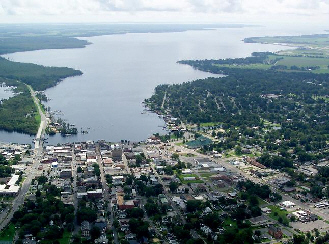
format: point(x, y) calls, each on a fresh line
point(8, 233)
point(66, 238)
point(317, 40)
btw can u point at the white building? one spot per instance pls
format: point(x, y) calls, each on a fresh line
point(288, 204)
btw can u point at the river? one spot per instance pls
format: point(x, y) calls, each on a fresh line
point(120, 71)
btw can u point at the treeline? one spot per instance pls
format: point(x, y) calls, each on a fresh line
point(5, 169)
point(302, 39)
point(18, 113)
point(39, 77)
point(13, 44)
point(256, 58)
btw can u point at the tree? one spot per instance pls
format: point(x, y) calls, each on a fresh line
point(168, 170)
point(151, 209)
point(139, 160)
point(139, 227)
point(316, 191)
point(38, 193)
point(116, 223)
point(42, 180)
point(212, 220)
point(86, 214)
point(238, 150)
point(253, 200)
point(135, 213)
point(193, 205)
point(108, 179)
point(300, 239)
point(175, 156)
point(173, 186)
point(95, 233)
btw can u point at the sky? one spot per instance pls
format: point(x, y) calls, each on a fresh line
point(308, 12)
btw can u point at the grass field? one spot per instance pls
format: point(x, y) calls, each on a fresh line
point(313, 40)
point(181, 177)
point(276, 213)
point(325, 98)
point(309, 51)
point(209, 124)
point(230, 223)
point(188, 155)
point(245, 66)
point(8, 233)
point(66, 238)
point(207, 175)
point(303, 61)
point(38, 118)
point(289, 61)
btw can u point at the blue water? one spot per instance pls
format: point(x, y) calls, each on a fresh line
point(120, 71)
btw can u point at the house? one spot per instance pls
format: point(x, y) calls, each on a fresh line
point(289, 189)
point(219, 169)
point(180, 190)
point(10, 189)
point(266, 210)
point(206, 230)
point(186, 171)
point(189, 178)
point(117, 180)
point(102, 239)
point(117, 154)
point(275, 232)
point(102, 225)
point(98, 193)
point(163, 199)
point(125, 204)
point(253, 162)
point(85, 229)
point(288, 204)
point(200, 161)
point(65, 173)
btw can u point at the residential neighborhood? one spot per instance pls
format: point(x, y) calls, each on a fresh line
point(154, 192)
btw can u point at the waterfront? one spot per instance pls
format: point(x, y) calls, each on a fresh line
point(120, 71)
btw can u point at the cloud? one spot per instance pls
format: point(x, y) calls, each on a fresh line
point(214, 8)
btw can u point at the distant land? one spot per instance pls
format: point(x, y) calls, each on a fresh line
point(278, 102)
point(311, 50)
point(19, 38)
point(24, 37)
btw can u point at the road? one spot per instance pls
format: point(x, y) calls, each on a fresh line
point(107, 197)
point(75, 198)
point(33, 169)
point(43, 123)
point(165, 190)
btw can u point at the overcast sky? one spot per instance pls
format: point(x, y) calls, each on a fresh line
point(186, 11)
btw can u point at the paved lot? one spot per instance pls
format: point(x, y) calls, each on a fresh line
point(319, 224)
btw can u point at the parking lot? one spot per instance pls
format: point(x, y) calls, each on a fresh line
point(308, 226)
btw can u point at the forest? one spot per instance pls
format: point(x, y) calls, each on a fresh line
point(39, 77)
point(30, 43)
point(246, 101)
point(18, 113)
